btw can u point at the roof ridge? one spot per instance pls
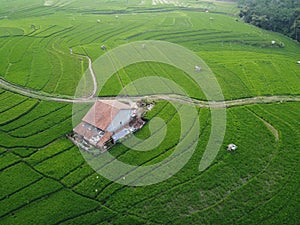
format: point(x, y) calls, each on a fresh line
point(115, 103)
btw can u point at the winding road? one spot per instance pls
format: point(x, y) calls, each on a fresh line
point(170, 97)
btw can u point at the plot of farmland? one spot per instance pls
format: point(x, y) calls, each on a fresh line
point(44, 50)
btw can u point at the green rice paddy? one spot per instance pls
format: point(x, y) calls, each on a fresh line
point(45, 179)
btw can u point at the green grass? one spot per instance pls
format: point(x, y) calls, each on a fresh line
point(8, 159)
point(17, 111)
point(41, 60)
point(59, 201)
point(17, 177)
point(60, 165)
point(44, 178)
point(49, 151)
point(29, 194)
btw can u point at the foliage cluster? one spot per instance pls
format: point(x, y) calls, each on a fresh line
point(277, 15)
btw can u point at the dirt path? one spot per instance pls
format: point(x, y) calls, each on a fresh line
point(91, 72)
point(176, 98)
point(93, 77)
point(230, 103)
point(272, 129)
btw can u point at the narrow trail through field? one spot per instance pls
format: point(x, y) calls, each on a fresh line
point(273, 130)
point(93, 77)
point(91, 72)
point(270, 127)
point(169, 97)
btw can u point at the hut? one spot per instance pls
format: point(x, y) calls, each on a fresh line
point(231, 147)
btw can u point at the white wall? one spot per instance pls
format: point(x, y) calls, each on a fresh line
point(123, 116)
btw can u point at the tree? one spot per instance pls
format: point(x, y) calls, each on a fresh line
point(277, 15)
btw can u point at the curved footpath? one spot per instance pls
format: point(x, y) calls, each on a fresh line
point(91, 72)
point(169, 97)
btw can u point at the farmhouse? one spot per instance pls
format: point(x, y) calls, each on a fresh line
point(106, 123)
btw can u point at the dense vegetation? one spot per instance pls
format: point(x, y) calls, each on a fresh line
point(44, 177)
point(280, 16)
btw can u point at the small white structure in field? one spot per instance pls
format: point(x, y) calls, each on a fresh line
point(273, 42)
point(117, 17)
point(298, 62)
point(98, 21)
point(143, 46)
point(211, 18)
point(71, 51)
point(206, 11)
point(103, 47)
point(231, 147)
point(197, 68)
point(150, 107)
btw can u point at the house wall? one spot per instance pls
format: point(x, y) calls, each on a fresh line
point(122, 118)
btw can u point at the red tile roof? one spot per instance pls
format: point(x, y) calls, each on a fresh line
point(103, 112)
point(88, 134)
point(106, 137)
point(83, 131)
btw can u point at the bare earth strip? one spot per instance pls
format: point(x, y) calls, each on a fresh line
point(91, 72)
point(272, 129)
point(93, 77)
point(173, 97)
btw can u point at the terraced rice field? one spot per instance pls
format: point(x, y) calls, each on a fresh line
point(44, 177)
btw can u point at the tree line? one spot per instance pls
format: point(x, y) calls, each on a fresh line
point(281, 16)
